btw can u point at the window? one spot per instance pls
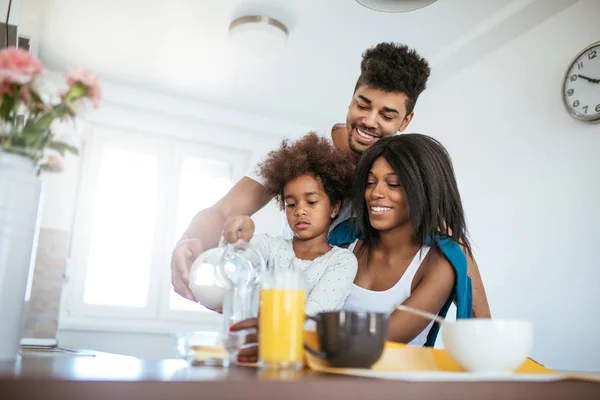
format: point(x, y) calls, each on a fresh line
point(216, 180)
point(125, 196)
point(137, 196)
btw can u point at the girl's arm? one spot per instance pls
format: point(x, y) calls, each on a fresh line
point(330, 292)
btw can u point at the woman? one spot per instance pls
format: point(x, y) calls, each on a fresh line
point(480, 306)
point(410, 219)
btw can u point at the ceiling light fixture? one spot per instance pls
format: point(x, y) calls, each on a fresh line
point(257, 36)
point(395, 6)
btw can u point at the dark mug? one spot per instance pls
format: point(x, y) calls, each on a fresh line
point(350, 339)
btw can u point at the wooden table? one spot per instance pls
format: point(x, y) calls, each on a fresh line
point(106, 376)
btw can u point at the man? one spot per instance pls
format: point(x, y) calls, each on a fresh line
point(392, 78)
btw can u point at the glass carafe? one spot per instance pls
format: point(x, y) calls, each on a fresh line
point(206, 282)
point(241, 267)
point(226, 279)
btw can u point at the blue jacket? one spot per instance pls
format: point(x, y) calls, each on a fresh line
point(462, 293)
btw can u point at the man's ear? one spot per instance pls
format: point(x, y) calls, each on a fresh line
point(406, 121)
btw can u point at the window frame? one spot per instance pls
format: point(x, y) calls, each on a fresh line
point(156, 316)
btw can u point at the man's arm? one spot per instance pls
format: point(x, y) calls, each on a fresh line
point(246, 197)
point(481, 307)
point(204, 231)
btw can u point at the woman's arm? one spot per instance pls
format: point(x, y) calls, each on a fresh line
point(430, 295)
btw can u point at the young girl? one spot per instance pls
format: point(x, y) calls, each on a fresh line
point(310, 179)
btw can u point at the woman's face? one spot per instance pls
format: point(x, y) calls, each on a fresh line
point(385, 197)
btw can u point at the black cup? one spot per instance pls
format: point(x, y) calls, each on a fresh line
point(350, 339)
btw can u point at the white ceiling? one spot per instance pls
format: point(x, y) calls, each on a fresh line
point(179, 46)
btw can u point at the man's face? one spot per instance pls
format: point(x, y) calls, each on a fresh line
point(373, 115)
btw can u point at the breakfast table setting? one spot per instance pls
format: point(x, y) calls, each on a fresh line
point(330, 355)
point(400, 372)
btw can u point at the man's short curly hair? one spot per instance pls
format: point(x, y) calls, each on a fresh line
point(310, 155)
point(392, 68)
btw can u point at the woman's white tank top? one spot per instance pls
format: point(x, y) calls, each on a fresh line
point(385, 301)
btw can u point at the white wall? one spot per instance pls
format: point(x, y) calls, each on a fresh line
point(529, 175)
point(30, 14)
point(152, 113)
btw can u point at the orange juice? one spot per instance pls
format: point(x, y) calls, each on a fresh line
point(281, 327)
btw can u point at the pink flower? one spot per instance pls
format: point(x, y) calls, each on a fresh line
point(90, 81)
point(19, 66)
point(5, 87)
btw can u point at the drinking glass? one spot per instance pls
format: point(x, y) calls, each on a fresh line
point(240, 303)
point(201, 348)
point(241, 267)
point(281, 319)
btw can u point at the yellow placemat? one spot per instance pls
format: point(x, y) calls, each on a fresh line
point(399, 361)
point(399, 357)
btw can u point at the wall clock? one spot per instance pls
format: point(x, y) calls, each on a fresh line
point(581, 87)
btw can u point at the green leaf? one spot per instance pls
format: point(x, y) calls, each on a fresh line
point(61, 147)
point(43, 123)
point(62, 110)
point(77, 91)
point(8, 103)
point(35, 97)
point(18, 142)
point(34, 128)
point(31, 132)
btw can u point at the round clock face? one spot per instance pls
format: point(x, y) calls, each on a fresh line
point(581, 89)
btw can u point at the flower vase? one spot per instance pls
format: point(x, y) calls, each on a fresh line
point(20, 212)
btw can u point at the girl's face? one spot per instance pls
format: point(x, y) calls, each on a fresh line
point(308, 209)
point(385, 198)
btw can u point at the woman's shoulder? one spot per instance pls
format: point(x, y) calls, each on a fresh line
point(451, 252)
point(436, 262)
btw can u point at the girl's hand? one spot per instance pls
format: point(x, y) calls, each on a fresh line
point(248, 354)
point(240, 227)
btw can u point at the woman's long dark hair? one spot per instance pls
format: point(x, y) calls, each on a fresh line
point(426, 174)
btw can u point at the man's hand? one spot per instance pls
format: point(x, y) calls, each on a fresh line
point(185, 253)
point(240, 227)
point(248, 354)
point(204, 231)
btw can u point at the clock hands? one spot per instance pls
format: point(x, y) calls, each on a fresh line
point(589, 79)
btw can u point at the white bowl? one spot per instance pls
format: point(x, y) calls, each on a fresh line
point(488, 345)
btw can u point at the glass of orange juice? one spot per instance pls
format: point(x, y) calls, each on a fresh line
point(281, 319)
